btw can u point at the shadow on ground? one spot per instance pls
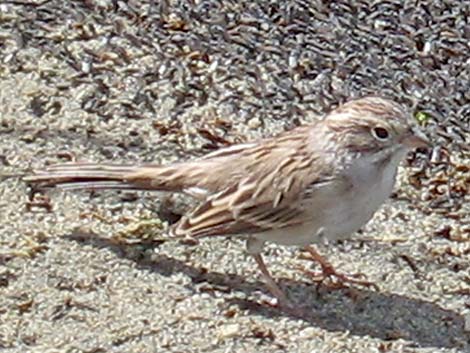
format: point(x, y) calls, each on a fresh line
point(381, 315)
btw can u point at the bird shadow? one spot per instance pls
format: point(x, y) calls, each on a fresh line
point(361, 312)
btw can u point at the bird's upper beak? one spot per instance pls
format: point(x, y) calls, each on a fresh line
point(416, 139)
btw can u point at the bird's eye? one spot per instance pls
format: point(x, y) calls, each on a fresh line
point(380, 133)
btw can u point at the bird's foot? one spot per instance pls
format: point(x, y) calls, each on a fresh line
point(281, 303)
point(336, 280)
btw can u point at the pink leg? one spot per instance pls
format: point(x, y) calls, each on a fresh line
point(329, 271)
point(275, 290)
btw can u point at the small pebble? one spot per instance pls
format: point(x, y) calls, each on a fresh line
point(467, 323)
point(228, 331)
point(254, 123)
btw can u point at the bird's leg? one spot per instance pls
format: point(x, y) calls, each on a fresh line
point(329, 271)
point(271, 284)
point(254, 247)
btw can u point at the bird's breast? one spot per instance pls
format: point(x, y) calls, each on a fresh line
point(367, 188)
point(337, 210)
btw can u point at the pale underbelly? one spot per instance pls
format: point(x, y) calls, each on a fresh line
point(338, 221)
point(340, 216)
point(310, 233)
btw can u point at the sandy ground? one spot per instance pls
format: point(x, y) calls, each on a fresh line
point(162, 81)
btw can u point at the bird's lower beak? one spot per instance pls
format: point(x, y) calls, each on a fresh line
point(416, 140)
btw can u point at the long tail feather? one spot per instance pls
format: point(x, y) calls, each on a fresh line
point(91, 176)
point(75, 176)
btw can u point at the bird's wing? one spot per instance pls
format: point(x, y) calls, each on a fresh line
point(269, 192)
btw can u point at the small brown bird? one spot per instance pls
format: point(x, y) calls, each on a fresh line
point(323, 180)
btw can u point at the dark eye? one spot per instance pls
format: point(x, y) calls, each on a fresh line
point(380, 133)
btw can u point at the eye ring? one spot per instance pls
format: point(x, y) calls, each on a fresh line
point(380, 133)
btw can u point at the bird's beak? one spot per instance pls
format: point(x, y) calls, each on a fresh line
point(416, 139)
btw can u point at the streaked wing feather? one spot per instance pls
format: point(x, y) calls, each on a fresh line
point(216, 217)
point(269, 197)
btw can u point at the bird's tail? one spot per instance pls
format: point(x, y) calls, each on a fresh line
point(90, 176)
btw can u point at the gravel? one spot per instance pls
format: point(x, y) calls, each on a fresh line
point(159, 81)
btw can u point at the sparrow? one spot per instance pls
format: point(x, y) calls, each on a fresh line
point(324, 180)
